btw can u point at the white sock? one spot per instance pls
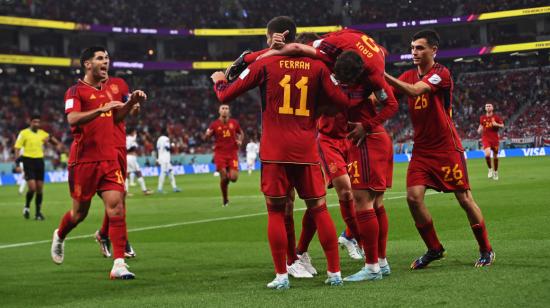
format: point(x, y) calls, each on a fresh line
point(373, 267)
point(132, 179)
point(126, 185)
point(141, 182)
point(161, 180)
point(331, 274)
point(382, 262)
point(172, 179)
point(282, 276)
point(119, 261)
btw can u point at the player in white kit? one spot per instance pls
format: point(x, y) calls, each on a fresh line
point(163, 149)
point(131, 158)
point(252, 150)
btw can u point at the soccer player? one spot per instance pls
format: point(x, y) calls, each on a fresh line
point(291, 89)
point(93, 107)
point(133, 165)
point(437, 160)
point(164, 160)
point(19, 168)
point(29, 151)
point(252, 150)
point(228, 138)
point(489, 124)
point(370, 153)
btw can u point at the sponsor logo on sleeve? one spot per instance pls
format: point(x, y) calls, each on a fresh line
point(434, 79)
point(244, 73)
point(69, 103)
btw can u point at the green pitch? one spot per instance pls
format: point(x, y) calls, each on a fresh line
point(192, 252)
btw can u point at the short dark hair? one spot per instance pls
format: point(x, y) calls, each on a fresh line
point(307, 37)
point(431, 36)
point(280, 24)
point(348, 66)
point(89, 53)
point(35, 116)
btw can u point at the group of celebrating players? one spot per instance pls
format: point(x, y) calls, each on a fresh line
point(321, 127)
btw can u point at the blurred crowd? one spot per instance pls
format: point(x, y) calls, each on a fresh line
point(248, 13)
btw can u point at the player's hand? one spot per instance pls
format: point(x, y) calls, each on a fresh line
point(494, 123)
point(278, 40)
point(357, 133)
point(218, 76)
point(111, 105)
point(239, 142)
point(135, 109)
point(137, 97)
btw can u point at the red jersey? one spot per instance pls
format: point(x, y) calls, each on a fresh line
point(291, 88)
point(490, 132)
point(225, 136)
point(120, 92)
point(95, 140)
point(332, 45)
point(431, 112)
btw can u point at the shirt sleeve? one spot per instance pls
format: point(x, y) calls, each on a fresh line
point(20, 142)
point(499, 120)
point(250, 78)
point(327, 49)
point(438, 79)
point(72, 100)
point(124, 91)
point(251, 57)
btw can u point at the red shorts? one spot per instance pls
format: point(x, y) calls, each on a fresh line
point(85, 179)
point(226, 161)
point(278, 180)
point(371, 164)
point(442, 171)
point(493, 144)
point(334, 156)
point(122, 160)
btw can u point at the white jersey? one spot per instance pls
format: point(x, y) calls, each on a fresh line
point(131, 142)
point(163, 149)
point(252, 149)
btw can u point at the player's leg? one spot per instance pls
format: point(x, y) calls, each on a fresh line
point(31, 183)
point(295, 268)
point(367, 224)
point(114, 206)
point(172, 178)
point(250, 164)
point(162, 175)
point(342, 185)
point(278, 241)
point(495, 162)
point(424, 225)
point(477, 223)
point(141, 182)
point(132, 177)
point(69, 221)
point(38, 200)
point(487, 152)
point(102, 237)
point(224, 184)
point(382, 218)
point(22, 184)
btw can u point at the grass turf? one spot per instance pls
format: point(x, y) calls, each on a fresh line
point(197, 253)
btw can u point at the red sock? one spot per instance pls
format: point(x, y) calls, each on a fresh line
point(369, 231)
point(427, 232)
point(291, 240)
point(66, 225)
point(383, 230)
point(117, 234)
point(224, 184)
point(348, 214)
point(276, 235)
point(327, 236)
point(488, 161)
point(480, 232)
point(308, 231)
point(104, 231)
point(495, 162)
point(348, 233)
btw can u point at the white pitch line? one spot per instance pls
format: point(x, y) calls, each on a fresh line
point(177, 224)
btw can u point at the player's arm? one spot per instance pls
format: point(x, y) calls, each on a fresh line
point(251, 77)
point(239, 136)
point(137, 97)
point(19, 144)
point(480, 129)
point(408, 89)
point(498, 122)
point(209, 132)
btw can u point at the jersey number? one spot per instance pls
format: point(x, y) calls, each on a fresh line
point(454, 174)
point(367, 46)
point(421, 102)
point(105, 114)
point(226, 133)
point(302, 86)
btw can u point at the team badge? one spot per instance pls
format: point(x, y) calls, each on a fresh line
point(92, 96)
point(333, 168)
point(114, 88)
point(231, 125)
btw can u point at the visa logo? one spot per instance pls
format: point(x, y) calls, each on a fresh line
point(534, 152)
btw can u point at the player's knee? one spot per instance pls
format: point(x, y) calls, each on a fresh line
point(345, 194)
point(414, 200)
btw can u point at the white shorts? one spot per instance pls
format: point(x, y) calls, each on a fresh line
point(132, 162)
point(165, 166)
